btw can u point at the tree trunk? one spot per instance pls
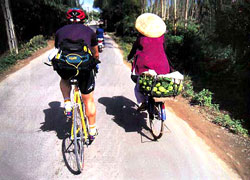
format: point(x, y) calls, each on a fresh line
point(156, 7)
point(164, 9)
point(168, 9)
point(151, 6)
point(12, 41)
point(193, 9)
point(175, 17)
point(142, 6)
point(186, 13)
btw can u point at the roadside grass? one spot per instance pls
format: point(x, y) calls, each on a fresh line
point(204, 98)
point(124, 44)
point(25, 50)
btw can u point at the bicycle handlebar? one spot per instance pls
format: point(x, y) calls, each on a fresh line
point(47, 64)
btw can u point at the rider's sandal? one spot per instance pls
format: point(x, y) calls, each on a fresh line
point(92, 137)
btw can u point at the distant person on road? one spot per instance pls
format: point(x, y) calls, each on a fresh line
point(77, 31)
point(100, 33)
point(148, 50)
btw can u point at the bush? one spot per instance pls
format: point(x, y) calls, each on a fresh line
point(232, 124)
point(188, 88)
point(25, 51)
point(184, 47)
point(203, 98)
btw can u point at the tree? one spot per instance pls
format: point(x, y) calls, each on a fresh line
point(151, 6)
point(12, 41)
point(186, 13)
point(175, 17)
point(156, 6)
point(168, 6)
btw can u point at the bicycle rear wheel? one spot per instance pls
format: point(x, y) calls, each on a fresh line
point(155, 120)
point(78, 139)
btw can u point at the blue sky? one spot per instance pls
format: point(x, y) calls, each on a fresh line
point(88, 4)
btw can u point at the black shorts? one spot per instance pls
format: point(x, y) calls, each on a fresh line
point(86, 79)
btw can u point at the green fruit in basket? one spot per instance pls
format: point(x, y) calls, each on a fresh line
point(164, 84)
point(150, 83)
point(175, 87)
point(143, 87)
point(144, 83)
point(148, 88)
point(170, 88)
point(167, 79)
point(140, 81)
point(155, 89)
point(171, 83)
point(180, 88)
point(162, 89)
point(158, 93)
point(158, 84)
point(165, 93)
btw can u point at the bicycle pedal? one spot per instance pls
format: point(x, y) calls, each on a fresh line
point(68, 114)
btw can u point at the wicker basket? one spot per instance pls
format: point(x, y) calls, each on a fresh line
point(160, 85)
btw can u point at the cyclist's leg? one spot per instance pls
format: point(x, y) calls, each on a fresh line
point(141, 99)
point(64, 83)
point(87, 85)
point(65, 89)
point(90, 108)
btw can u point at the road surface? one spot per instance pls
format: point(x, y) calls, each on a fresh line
point(33, 127)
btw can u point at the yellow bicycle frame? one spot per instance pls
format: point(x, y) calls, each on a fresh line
point(77, 100)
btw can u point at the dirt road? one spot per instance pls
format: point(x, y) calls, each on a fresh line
point(33, 127)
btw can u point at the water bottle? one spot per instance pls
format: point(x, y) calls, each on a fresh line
point(163, 112)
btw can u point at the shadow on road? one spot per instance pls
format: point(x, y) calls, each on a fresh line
point(125, 114)
point(55, 120)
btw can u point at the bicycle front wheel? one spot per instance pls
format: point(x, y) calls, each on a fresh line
point(156, 121)
point(78, 139)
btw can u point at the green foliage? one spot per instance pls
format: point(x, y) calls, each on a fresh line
point(203, 98)
point(125, 43)
point(188, 88)
point(25, 51)
point(33, 17)
point(119, 15)
point(35, 43)
point(232, 124)
point(176, 40)
point(184, 47)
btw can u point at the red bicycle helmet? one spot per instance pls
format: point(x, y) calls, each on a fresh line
point(75, 15)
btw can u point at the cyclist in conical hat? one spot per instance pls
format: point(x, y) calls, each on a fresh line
point(148, 49)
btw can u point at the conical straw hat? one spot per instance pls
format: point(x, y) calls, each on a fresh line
point(150, 25)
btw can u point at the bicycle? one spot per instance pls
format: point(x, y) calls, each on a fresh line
point(79, 134)
point(156, 116)
point(158, 89)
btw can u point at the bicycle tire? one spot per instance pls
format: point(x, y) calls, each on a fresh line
point(78, 139)
point(156, 122)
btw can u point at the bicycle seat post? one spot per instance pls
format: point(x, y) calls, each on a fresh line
point(73, 82)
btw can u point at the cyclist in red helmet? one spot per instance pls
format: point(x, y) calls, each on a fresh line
point(75, 31)
point(76, 15)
